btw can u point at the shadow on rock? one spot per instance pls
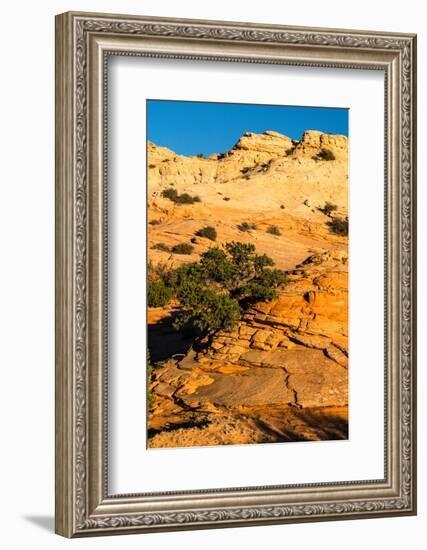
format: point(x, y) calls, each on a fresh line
point(164, 341)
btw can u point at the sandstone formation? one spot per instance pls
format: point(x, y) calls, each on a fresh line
point(291, 352)
point(313, 142)
point(282, 374)
point(264, 179)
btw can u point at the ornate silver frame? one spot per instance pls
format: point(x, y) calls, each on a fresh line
point(83, 42)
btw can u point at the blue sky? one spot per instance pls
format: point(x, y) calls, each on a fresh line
point(189, 128)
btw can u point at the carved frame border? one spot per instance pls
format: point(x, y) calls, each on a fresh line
point(83, 43)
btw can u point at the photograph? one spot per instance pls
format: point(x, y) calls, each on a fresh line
point(247, 273)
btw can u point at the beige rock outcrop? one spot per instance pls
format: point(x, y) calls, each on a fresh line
point(260, 147)
point(313, 142)
point(264, 179)
point(274, 158)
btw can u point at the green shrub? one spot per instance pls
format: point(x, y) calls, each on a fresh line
point(185, 198)
point(217, 268)
point(273, 278)
point(187, 273)
point(329, 208)
point(214, 291)
point(158, 271)
point(161, 246)
point(158, 294)
point(170, 193)
point(246, 226)
point(274, 230)
point(183, 248)
point(205, 309)
point(326, 154)
point(207, 232)
point(339, 226)
point(173, 195)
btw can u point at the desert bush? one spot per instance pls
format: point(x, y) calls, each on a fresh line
point(161, 246)
point(274, 230)
point(289, 151)
point(246, 226)
point(185, 198)
point(158, 293)
point(207, 232)
point(183, 248)
point(173, 195)
point(190, 273)
point(157, 271)
point(326, 154)
point(214, 291)
point(155, 222)
point(339, 226)
point(245, 169)
point(329, 208)
point(226, 199)
point(170, 193)
point(200, 156)
point(206, 309)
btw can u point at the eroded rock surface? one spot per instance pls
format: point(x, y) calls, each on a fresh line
point(285, 365)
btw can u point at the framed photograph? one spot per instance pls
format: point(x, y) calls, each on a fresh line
point(235, 274)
